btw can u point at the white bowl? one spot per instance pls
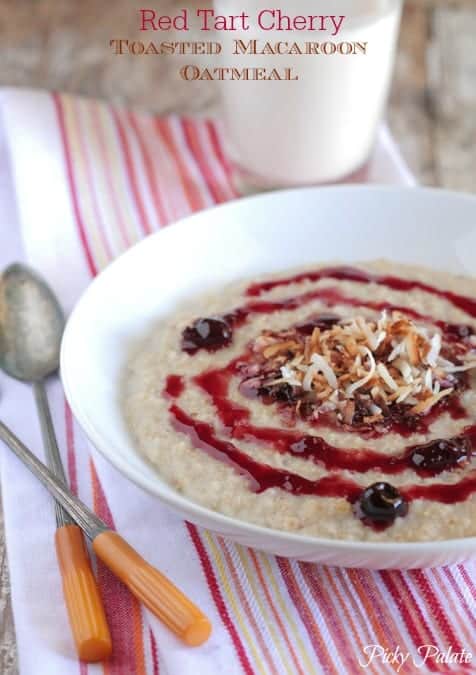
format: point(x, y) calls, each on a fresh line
point(244, 238)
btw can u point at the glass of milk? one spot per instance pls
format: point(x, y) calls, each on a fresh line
point(321, 127)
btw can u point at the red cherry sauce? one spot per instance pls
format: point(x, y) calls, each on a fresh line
point(216, 333)
point(468, 305)
point(216, 384)
point(235, 418)
point(263, 477)
point(332, 297)
point(329, 297)
point(174, 386)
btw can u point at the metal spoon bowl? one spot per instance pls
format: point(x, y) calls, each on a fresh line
point(31, 325)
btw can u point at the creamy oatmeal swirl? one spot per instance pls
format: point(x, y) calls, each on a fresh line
point(334, 401)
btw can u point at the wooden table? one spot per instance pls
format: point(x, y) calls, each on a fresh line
point(63, 45)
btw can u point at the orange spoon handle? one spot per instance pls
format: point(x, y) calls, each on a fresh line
point(153, 589)
point(81, 594)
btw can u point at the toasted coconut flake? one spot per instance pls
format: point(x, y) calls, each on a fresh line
point(360, 383)
point(324, 394)
point(398, 350)
point(308, 349)
point(429, 380)
point(349, 410)
point(412, 349)
point(405, 369)
point(386, 377)
point(368, 332)
point(435, 346)
point(319, 364)
point(462, 368)
point(402, 394)
point(278, 348)
point(371, 419)
point(289, 376)
point(424, 406)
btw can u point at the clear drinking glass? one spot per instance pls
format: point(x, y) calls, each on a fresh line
point(322, 127)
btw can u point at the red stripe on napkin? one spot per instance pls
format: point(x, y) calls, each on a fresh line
point(122, 609)
point(218, 598)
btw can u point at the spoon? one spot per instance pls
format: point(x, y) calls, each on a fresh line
point(31, 327)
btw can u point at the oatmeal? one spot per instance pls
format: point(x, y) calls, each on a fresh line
point(337, 402)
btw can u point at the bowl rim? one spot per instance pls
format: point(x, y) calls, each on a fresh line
point(182, 504)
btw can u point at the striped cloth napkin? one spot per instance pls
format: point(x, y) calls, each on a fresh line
point(80, 181)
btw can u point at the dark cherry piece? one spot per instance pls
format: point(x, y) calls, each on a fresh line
point(442, 455)
point(380, 503)
point(283, 393)
point(458, 331)
point(211, 334)
point(323, 321)
point(400, 418)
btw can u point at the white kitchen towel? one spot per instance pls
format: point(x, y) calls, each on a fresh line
point(80, 182)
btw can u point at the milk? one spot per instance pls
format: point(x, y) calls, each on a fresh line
point(323, 126)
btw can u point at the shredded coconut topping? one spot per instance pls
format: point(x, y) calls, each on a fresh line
point(366, 363)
